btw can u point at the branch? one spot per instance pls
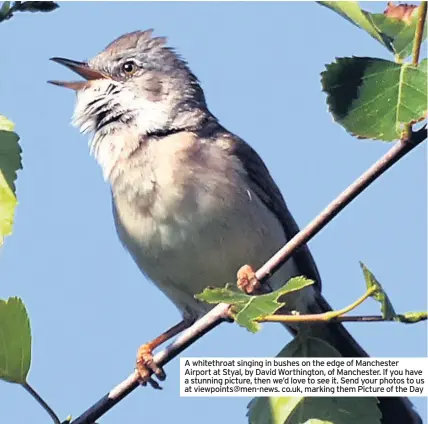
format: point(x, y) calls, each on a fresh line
point(209, 321)
point(419, 33)
point(219, 314)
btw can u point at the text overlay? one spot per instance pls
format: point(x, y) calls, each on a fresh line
point(308, 377)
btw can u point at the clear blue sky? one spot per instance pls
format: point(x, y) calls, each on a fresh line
point(89, 305)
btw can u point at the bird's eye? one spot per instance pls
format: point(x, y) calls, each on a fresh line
point(129, 68)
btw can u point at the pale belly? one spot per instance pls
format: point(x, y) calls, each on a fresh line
point(204, 244)
point(187, 214)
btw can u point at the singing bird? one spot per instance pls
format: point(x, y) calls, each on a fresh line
point(192, 202)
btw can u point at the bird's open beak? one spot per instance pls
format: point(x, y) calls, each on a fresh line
point(82, 69)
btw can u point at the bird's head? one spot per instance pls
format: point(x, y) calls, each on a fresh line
point(138, 83)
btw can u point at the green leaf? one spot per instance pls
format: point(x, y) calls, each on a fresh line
point(351, 11)
point(375, 98)
point(37, 6)
point(15, 336)
point(395, 29)
point(247, 309)
point(4, 10)
point(401, 32)
point(310, 410)
point(387, 309)
point(10, 152)
point(412, 317)
point(10, 162)
point(314, 410)
point(228, 294)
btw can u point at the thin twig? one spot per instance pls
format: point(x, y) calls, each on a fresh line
point(422, 16)
point(44, 405)
point(417, 42)
point(324, 317)
point(219, 314)
point(353, 305)
point(348, 318)
point(209, 321)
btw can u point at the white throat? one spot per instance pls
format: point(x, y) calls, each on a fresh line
point(118, 139)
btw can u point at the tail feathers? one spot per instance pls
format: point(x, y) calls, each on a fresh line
point(394, 410)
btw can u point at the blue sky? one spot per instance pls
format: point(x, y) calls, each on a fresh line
point(89, 305)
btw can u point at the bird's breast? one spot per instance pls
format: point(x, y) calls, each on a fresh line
point(188, 216)
point(171, 189)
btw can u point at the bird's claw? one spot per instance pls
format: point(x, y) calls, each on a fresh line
point(146, 366)
point(247, 280)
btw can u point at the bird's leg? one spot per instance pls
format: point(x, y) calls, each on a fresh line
point(145, 362)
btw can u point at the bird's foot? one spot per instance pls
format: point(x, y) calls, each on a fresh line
point(146, 366)
point(247, 280)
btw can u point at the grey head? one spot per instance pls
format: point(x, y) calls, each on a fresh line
point(137, 85)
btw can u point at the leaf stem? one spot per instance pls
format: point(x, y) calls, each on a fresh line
point(326, 316)
point(39, 399)
point(358, 302)
point(419, 33)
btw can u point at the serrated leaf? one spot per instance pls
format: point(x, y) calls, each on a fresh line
point(394, 29)
point(10, 162)
point(375, 98)
point(351, 11)
point(247, 309)
point(228, 294)
point(387, 309)
point(15, 336)
point(310, 410)
point(412, 317)
point(401, 30)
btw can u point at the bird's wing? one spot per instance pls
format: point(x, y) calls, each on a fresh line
point(264, 186)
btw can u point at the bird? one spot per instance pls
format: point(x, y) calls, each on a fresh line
point(192, 202)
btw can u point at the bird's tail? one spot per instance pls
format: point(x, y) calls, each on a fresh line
point(394, 410)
